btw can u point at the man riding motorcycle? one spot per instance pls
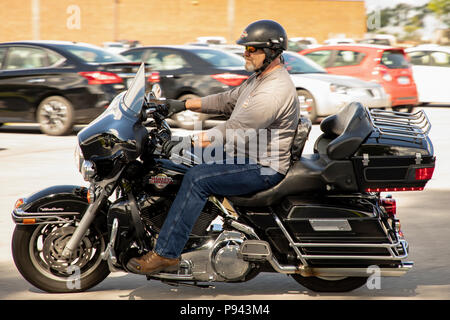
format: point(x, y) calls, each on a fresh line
point(252, 106)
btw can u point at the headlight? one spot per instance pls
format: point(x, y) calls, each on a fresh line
point(88, 170)
point(78, 157)
point(337, 88)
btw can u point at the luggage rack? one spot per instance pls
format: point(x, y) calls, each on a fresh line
point(401, 124)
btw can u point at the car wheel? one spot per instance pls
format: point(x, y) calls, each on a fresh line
point(55, 116)
point(187, 119)
point(308, 104)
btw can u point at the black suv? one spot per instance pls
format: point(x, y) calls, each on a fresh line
point(185, 72)
point(59, 84)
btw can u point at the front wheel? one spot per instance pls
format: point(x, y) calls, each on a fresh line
point(37, 252)
point(330, 284)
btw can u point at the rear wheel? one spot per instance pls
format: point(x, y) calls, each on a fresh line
point(330, 284)
point(37, 252)
point(55, 116)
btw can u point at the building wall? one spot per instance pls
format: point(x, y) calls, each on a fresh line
point(174, 21)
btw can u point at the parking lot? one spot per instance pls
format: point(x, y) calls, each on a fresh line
point(30, 160)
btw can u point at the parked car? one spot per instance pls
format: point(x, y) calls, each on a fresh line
point(322, 94)
point(431, 70)
point(185, 72)
point(385, 65)
point(59, 84)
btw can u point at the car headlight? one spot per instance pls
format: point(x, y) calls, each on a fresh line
point(337, 88)
point(78, 155)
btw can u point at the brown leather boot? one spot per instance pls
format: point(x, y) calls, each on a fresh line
point(150, 263)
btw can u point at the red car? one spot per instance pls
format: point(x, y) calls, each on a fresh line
point(386, 65)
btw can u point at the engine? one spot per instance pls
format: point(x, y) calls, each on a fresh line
point(217, 260)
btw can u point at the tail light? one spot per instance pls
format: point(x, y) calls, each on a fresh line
point(390, 205)
point(424, 173)
point(154, 77)
point(383, 71)
point(230, 79)
point(100, 77)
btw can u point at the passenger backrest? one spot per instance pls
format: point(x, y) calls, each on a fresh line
point(300, 137)
point(351, 125)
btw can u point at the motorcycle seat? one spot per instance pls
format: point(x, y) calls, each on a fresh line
point(349, 128)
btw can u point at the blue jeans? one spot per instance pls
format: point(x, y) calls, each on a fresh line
point(198, 184)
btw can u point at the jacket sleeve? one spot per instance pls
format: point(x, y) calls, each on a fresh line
point(260, 112)
point(223, 102)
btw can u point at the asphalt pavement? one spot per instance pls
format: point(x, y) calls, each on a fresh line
point(30, 161)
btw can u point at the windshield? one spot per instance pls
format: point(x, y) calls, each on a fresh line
point(219, 58)
point(134, 98)
point(91, 54)
point(394, 59)
point(296, 63)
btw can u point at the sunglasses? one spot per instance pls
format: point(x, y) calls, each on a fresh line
point(251, 49)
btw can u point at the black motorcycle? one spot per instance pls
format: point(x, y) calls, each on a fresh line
point(325, 223)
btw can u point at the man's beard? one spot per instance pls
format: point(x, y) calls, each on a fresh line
point(249, 66)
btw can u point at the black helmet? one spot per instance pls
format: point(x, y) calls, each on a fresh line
point(267, 35)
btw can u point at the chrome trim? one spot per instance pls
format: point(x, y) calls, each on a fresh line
point(83, 226)
point(109, 253)
point(356, 272)
point(401, 124)
point(391, 248)
point(88, 170)
point(42, 218)
point(291, 241)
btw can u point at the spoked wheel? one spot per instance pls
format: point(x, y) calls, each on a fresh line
point(330, 284)
point(37, 253)
point(55, 116)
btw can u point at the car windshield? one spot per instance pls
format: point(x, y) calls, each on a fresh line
point(219, 58)
point(94, 55)
point(296, 63)
point(394, 59)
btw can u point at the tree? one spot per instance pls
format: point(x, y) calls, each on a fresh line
point(442, 10)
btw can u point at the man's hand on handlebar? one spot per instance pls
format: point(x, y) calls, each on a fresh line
point(175, 106)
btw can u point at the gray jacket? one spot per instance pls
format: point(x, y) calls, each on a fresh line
point(264, 114)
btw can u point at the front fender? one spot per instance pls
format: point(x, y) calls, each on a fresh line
point(51, 205)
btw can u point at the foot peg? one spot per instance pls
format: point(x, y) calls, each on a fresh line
point(255, 250)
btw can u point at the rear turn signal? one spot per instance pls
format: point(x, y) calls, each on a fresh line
point(100, 77)
point(424, 173)
point(230, 79)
